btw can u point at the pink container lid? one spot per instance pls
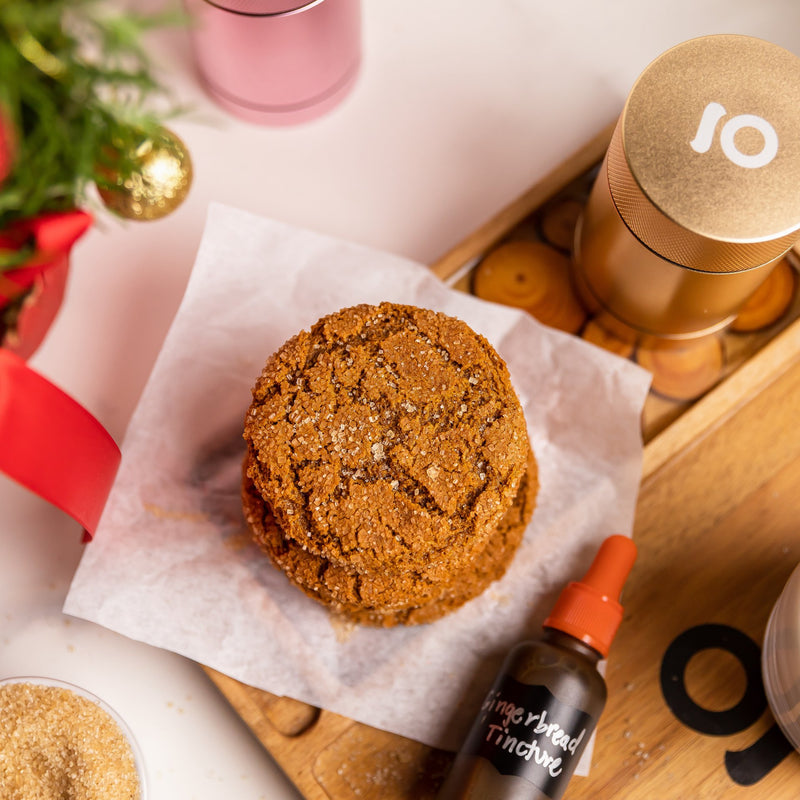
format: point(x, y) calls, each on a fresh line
point(277, 61)
point(262, 8)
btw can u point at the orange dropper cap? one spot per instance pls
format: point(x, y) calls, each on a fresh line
point(589, 609)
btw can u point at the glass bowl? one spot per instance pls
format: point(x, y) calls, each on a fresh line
point(38, 681)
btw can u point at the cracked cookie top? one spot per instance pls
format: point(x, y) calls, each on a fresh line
point(386, 437)
point(382, 598)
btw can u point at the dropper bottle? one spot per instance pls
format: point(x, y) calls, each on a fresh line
point(541, 711)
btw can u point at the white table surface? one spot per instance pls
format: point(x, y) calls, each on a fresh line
point(461, 105)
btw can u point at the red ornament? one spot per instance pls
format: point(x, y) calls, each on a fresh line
point(8, 145)
point(35, 289)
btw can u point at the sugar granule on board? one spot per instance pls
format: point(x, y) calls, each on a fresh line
point(58, 745)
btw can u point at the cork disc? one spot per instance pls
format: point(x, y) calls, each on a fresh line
point(685, 371)
point(596, 334)
point(533, 276)
point(558, 222)
point(769, 302)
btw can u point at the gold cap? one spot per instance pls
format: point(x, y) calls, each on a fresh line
point(704, 165)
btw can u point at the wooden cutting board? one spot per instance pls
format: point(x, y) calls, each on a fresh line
point(718, 532)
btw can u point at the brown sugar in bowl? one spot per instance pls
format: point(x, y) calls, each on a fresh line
point(61, 742)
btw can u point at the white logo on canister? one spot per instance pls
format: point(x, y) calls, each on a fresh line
point(704, 137)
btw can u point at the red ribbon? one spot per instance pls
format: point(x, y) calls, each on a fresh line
point(48, 442)
point(52, 445)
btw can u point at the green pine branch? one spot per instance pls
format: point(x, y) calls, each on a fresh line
point(79, 90)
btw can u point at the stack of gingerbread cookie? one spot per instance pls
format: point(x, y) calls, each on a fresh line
point(388, 472)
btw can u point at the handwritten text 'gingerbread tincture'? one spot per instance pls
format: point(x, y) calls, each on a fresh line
point(698, 197)
point(539, 715)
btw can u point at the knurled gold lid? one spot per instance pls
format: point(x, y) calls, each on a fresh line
point(704, 165)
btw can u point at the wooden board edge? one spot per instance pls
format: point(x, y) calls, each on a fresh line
point(722, 402)
point(294, 755)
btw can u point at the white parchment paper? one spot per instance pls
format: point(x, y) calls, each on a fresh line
point(172, 565)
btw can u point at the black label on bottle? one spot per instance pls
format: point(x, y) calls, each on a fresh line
point(527, 732)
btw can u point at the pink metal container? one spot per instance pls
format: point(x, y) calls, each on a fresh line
point(277, 61)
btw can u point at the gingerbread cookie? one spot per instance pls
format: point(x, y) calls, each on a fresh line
point(320, 581)
point(388, 443)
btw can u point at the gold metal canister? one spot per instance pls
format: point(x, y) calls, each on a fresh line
point(698, 196)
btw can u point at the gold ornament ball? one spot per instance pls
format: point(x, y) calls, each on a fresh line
point(159, 185)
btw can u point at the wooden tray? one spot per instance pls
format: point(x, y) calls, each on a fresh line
point(717, 533)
